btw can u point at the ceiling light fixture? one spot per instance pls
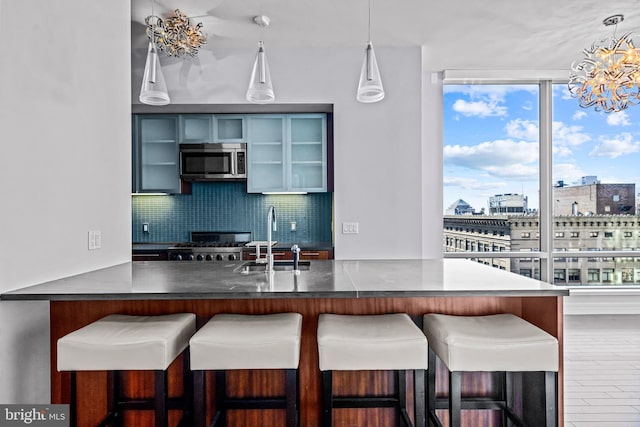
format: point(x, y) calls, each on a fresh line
point(608, 76)
point(175, 35)
point(154, 89)
point(370, 85)
point(260, 89)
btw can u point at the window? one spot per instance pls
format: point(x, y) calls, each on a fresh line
point(628, 275)
point(483, 123)
point(607, 275)
point(574, 274)
point(559, 275)
point(525, 272)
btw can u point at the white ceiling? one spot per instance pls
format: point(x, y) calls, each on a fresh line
point(455, 34)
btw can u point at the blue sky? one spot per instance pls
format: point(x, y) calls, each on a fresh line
point(491, 142)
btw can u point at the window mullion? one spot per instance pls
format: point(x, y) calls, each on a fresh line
point(546, 179)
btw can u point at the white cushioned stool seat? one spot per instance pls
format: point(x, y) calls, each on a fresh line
point(382, 342)
point(238, 341)
point(522, 358)
point(370, 342)
point(122, 342)
point(242, 341)
point(501, 342)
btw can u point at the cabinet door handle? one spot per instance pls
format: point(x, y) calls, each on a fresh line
point(310, 253)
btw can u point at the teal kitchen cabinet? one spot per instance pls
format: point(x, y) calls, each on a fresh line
point(230, 128)
point(287, 153)
point(155, 154)
point(208, 128)
point(195, 128)
point(266, 153)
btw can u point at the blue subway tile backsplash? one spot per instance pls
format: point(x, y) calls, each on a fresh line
point(226, 206)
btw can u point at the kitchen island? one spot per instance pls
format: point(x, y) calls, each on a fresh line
point(416, 287)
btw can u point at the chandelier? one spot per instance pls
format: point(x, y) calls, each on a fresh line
point(608, 76)
point(175, 35)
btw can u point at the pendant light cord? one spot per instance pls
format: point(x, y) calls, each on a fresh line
point(369, 30)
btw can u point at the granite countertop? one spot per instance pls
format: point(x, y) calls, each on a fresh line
point(325, 279)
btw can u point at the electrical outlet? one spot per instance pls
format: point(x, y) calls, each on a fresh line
point(350, 227)
point(145, 227)
point(95, 239)
point(293, 226)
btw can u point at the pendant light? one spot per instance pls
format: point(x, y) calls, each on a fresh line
point(154, 89)
point(260, 89)
point(370, 85)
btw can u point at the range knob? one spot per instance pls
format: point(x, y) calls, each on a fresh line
point(200, 257)
point(233, 257)
point(191, 257)
point(209, 257)
point(178, 257)
point(219, 257)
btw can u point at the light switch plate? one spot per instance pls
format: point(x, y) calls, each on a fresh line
point(350, 228)
point(95, 239)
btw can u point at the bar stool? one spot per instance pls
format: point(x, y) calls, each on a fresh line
point(237, 341)
point(120, 342)
point(390, 342)
point(501, 343)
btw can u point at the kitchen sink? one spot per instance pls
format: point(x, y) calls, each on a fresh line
point(252, 266)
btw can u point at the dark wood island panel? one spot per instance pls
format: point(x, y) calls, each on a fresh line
point(66, 316)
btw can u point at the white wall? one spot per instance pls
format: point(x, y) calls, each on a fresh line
point(380, 180)
point(65, 163)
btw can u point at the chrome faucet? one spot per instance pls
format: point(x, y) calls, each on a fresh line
point(271, 226)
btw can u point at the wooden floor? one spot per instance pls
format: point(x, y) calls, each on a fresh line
point(602, 371)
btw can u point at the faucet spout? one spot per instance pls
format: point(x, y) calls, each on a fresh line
point(271, 226)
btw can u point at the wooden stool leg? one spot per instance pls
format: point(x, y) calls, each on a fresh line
point(455, 405)
point(419, 398)
point(221, 396)
point(291, 396)
point(73, 399)
point(199, 405)
point(550, 398)
point(327, 398)
point(160, 398)
point(431, 389)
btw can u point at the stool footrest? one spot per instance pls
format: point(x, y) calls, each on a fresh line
point(256, 403)
point(365, 402)
point(473, 403)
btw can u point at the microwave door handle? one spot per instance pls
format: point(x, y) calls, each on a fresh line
point(234, 160)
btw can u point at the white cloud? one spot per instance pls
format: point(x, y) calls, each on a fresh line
point(565, 137)
point(616, 147)
point(472, 183)
point(501, 158)
point(567, 172)
point(522, 129)
point(579, 115)
point(620, 118)
point(479, 108)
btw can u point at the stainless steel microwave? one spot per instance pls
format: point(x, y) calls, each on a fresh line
point(213, 162)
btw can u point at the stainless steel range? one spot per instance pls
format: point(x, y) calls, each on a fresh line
point(211, 246)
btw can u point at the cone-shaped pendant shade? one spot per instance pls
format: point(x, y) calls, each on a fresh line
point(370, 86)
point(154, 88)
point(260, 88)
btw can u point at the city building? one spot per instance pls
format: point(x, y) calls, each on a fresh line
point(508, 203)
point(460, 207)
point(572, 233)
point(594, 198)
